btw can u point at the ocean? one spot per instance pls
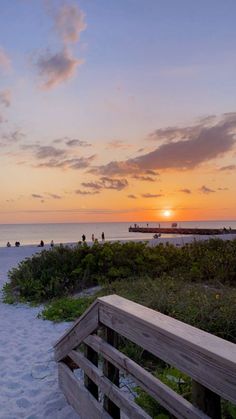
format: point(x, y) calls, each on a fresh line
point(72, 232)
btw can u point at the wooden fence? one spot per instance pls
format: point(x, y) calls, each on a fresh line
point(207, 359)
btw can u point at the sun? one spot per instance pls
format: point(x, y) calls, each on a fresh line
point(167, 213)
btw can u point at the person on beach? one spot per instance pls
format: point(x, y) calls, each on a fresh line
point(83, 238)
point(41, 244)
point(103, 236)
point(52, 243)
point(17, 244)
point(8, 244)
point(92, 237)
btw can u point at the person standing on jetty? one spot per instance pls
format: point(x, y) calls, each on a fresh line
point(83, 238)
point(103, 236)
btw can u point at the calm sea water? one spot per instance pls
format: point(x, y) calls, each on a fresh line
point(68, 233)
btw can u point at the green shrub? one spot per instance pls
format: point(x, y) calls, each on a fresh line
point(66, 309)
point(64, 270)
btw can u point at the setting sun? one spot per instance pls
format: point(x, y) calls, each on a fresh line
point(167, 213)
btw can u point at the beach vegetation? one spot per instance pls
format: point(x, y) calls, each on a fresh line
point(195, 284)
point(65, 270)
point(67, 309)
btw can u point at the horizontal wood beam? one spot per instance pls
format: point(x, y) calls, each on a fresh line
point(168, 398)
point(129, 407)
point(78, 396)
point(209, 360)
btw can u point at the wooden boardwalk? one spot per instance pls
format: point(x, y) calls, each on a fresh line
point(207, 359)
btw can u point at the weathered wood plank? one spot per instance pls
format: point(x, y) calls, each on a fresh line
point(83, 327)
point(209, 360)
point(111, 372)
point(130, 408)
point(168, 398)
point(78, 396)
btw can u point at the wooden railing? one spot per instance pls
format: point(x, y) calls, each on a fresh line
point(207, 359)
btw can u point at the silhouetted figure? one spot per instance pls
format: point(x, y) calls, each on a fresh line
point(52, 243)
point(92, 237)
point(41, 244)
point(8, 244)
point(83, 238)
point(103, 236)
point(17, 244)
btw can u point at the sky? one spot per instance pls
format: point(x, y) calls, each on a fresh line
point(117, 110)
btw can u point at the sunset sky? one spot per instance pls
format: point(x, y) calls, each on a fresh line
point(117, 110)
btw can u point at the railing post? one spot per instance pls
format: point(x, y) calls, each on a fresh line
point(206, 400)
point(111, 372)
point(89, 384)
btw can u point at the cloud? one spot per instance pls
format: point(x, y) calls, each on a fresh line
point(194, 146)
point(79, 192)
point(150, 195)
point(228, 168)
point(222, 189)
point(5, 98)
point(73, 163)
point(56, 68)
point(187, 191)
point(131, 196)
point(5, 62)
point(77, 143)
point(14, 136)
point(117, 144)
point(37, 196)
point(116, 167)
point(70, 22)
point(107, 183)
point(54, 196)
point(206, 190)
point(144, 178)
point(44, 152)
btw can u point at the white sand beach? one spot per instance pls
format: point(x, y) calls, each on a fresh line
point(28, 374)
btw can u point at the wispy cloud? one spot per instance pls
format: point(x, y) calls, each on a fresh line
point(54, 196)
point(77, 143)
point(58, 67)
point(70, 22)
point(5, 97)
point(150, 195)
point(44, 152)
point(131, 196)
point(5, 62)
point(118, 144)
point(73, 163)
point(204, 189)
point(13, 137)
point(107, 183)
point(79, 192)
point(185, 190)
point(144, 178)
point(229, 168)
point(37, 196)
point(55, 68)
